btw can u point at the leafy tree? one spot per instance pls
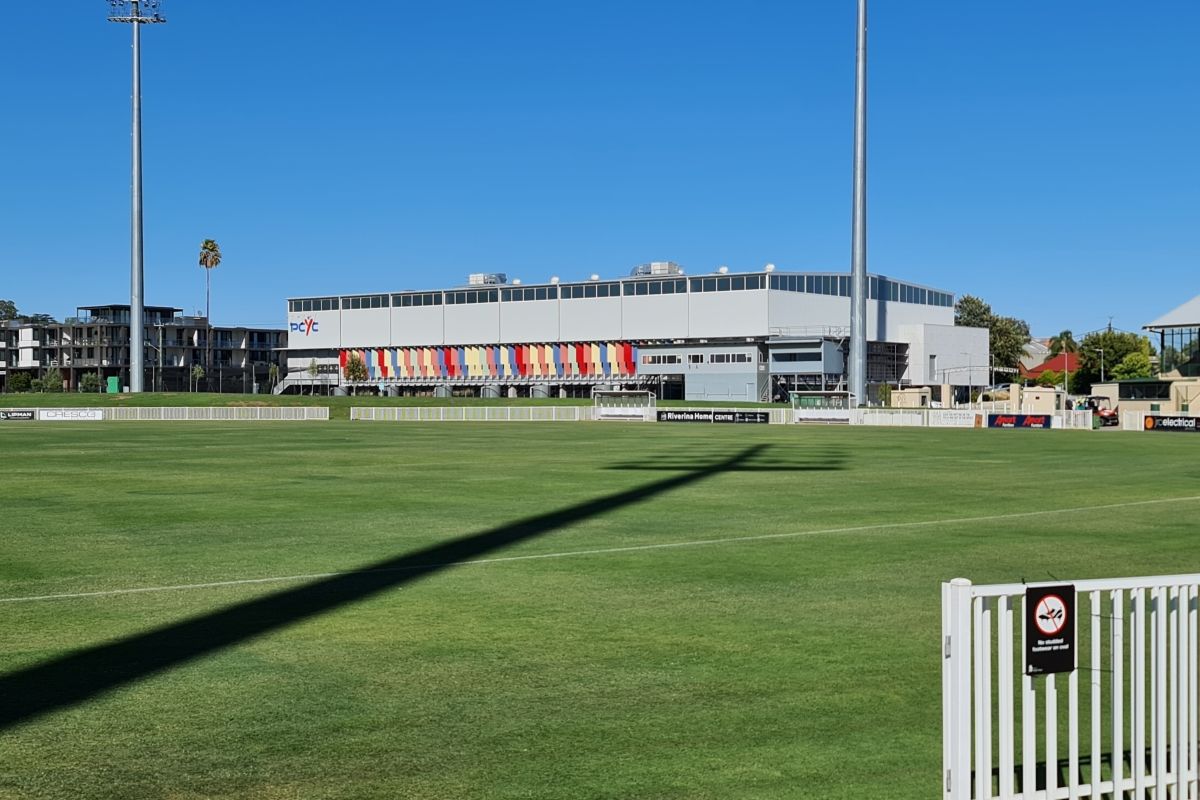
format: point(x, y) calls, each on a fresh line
point(356, 370)
point(89, 383)
point(37, 319)
point(1007, 336)
point(972, 312)
point(210, 258)
point(273, 375)
point(19, 382)
point(52, 381)
point(1063, 343)
point(1116, 345)
point(37, 385)
point(1049, 378)
point(312, 375)
point(197, 375)
point(8, 310)
point(1134, 365)
point(885, 395)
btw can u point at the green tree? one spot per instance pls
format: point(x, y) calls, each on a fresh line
point(972, 312)
point(52, 381)
point(210, 258)
point(1007, 336)
point(273, 375)
point(312, 376)
point(356, 370)
point(1050, 379)
point(196, 375)
point(36, 319)
point(89, 383)
point(1116, 345)
point(19, 382)
point(1134, 365)
point(1063, 343)
point(8, 310)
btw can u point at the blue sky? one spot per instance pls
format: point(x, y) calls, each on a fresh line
point(1039, 155)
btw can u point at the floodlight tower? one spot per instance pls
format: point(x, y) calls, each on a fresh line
point(858, 246)
point(136, 13)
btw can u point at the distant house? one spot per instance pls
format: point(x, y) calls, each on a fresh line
point(1058, 363)
point(1036, 351)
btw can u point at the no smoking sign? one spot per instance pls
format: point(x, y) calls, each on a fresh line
point(1049, 629)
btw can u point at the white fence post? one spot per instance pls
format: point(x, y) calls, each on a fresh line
point(956, 665)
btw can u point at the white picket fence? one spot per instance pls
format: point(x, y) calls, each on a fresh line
point(519, 414)
point(217, 414)
point(952, 417)
point(1136, 645)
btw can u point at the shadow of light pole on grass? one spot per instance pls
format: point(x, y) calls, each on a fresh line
point(77, 677)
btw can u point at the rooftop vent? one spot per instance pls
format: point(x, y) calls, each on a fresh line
point(486, 278)
point(657, 268)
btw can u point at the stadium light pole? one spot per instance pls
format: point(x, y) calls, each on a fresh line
point(858, 247)
point(136, 13)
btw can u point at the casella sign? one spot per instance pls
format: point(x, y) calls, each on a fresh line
point(70, 414)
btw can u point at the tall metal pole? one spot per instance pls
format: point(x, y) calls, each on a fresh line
point(136, 284)
point(858, 248)
point(136, 13)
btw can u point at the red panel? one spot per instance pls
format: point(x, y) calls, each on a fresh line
point(522, 369)
point(581, 361)
point(342, 356)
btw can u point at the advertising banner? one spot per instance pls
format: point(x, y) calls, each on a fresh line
point(70, 414)
point(1181, 424)
point(704, 415)
point(17, 415)
point(1020, 420)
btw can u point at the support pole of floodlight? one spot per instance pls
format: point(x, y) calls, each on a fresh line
point(858, 245)
point(136, 13)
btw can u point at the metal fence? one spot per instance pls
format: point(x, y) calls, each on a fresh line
point(217, 414)
point(1129, 732)
point(952, 417)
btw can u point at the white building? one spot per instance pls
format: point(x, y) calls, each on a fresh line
point(729, 336)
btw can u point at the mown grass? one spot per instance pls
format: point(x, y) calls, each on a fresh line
point(801, 666)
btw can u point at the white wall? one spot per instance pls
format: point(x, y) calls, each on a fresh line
point(475, 323)
point(366, 327)
point(961, 354)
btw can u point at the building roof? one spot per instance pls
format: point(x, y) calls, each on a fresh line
point(1056, 363)
point(1186, 315)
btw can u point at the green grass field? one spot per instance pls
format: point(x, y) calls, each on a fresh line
point(619, 665)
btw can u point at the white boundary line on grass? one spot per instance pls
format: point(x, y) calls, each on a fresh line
point(601, 551)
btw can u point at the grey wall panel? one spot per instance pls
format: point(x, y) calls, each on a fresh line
point(477, 323)
point(366, 327)
point(654, 317)
point(325, 331)
point(804, 314)
point(529, 321)
point(739, 386)
point(902, 314)
point(421, 325)
point(591, 319)
point(717, 314)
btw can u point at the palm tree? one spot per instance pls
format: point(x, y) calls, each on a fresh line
point(1063, 343)
point(210, 257)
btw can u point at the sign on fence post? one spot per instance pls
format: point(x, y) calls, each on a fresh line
point(1049, 629)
